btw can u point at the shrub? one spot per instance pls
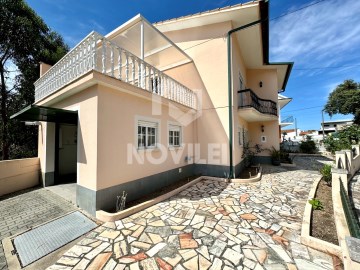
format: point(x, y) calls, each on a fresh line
point(343, 139)
point(326, 173)
point(308, 146)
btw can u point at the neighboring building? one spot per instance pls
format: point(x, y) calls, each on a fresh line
point(291, 134)
point(149, 104)
point(333, 126)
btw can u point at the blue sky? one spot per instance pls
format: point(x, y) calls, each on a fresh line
point(323, 40)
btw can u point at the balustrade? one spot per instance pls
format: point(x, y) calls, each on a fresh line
point(95, 52)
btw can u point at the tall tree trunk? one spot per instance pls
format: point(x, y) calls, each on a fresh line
point(4, 119)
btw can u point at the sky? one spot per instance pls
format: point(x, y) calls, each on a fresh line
point(322, 37)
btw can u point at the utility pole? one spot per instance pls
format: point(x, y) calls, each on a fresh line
point(322, 115)
point(296, 134)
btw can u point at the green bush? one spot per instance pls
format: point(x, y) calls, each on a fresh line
point(308, 146)
point(326, 173)
point(343, 139)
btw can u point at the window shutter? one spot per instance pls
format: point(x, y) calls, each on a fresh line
point(147, 124)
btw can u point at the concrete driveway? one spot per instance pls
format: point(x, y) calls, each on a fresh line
point(24, 210)
point(212, 225)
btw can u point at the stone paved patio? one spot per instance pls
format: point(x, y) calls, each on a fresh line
point(211, 225)
point(21, 211)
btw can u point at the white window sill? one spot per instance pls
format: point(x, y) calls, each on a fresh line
point(149, 149)
point(173, 148)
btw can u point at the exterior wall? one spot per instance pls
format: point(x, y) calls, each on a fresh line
point(269, 79)
point(208, 75)
point(18, 174)
point(46, 152)
point(271, 131)
point(86, 103)
point(117, 139)
point(268, 91)
point(238, 68)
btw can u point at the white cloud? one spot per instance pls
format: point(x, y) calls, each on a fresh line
point(326, 34)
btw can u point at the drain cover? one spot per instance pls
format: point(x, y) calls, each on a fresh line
point(38, 242)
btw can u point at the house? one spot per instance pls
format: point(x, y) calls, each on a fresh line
point(328, 127)
point(149, 104)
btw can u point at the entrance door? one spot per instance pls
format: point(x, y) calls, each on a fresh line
point(66, 161)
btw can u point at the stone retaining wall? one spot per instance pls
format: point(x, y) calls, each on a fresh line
point(347, 163)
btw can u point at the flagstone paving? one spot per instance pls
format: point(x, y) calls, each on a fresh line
point(211, 225)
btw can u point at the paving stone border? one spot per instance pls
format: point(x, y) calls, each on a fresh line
point(309, 240)
point(106, 216)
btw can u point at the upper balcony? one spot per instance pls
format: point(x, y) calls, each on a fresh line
point(104, 55)
point(287, 121)
point(253, 108)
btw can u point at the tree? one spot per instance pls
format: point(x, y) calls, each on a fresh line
point(25, 40)
point(345, 99)
point(343, 139)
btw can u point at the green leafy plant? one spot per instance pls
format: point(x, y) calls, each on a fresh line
point(343, 139)
point(326, 173)
point(249, 153)
point(316, 204)
point(275, 156)
point(308, 146)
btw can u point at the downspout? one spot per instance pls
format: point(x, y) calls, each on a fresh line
point(231, 173)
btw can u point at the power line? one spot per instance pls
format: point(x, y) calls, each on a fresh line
point(329, 67)
point(283, 15)
point(308, 108)
point(291, 12)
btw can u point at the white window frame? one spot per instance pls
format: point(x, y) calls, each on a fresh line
point(175, 127)
point(147, 122)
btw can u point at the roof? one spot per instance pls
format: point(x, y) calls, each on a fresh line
point(207, 12)
point(154, 47)
point(46, 114)
point(283, 100)
point(253, 39)
point(339, 121)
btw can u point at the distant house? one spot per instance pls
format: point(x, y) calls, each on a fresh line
point(149, 104)
point(333, 126)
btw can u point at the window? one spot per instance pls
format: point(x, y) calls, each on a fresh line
point(245, 136)
point(240, 135)
point(147, 134)
point(174, 135)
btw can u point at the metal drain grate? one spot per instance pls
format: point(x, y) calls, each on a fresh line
point(38, 242)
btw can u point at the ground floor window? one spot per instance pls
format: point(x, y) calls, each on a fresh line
point(147, 134)
point(174, 135)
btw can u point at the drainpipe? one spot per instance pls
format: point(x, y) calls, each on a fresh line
point(231, 173)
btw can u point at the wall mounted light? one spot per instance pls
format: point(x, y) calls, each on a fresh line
point(260, 83)
point(262, 128)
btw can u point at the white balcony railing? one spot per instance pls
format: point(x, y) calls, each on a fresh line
point(95, 52)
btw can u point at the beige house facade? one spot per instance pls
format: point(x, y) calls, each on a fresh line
point(150, 104)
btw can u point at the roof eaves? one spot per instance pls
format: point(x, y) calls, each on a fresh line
point(206, 12)
point(264, 13)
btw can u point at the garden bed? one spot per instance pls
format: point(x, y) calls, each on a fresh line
point(160, 191)
point(322, 221)
point(249, 172)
